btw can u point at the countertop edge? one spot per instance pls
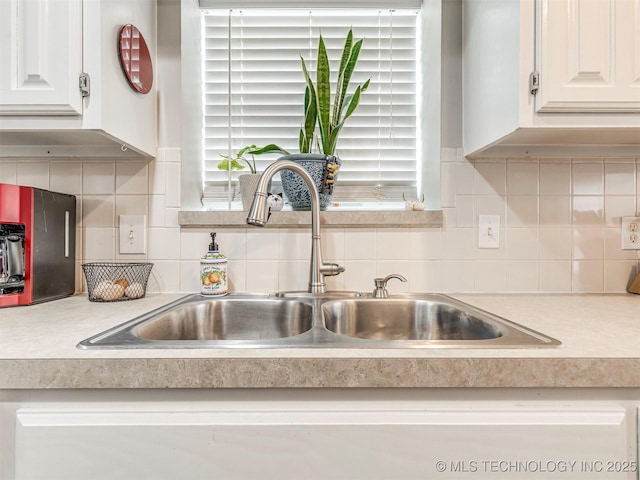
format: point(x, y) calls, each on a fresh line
point(227, 373)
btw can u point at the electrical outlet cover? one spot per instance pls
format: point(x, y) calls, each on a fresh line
point(630, 233)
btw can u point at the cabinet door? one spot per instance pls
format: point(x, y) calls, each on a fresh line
point(589, 55)
point(318, 443)
point(41, 57)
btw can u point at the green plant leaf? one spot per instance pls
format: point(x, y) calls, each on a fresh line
point(310, 118)
point(244, 150)
point(353, 104)
point(311, 112)
point(333, 141)
point(235, 165)
point(310, 115)
point(271, 148)
point(323, 94)
point(301, 141)
point(350, 106)
point(224, 164)
point(346, 53)
point(229, 162)
point(235, 162)
point(348, 98)
point(348, 72)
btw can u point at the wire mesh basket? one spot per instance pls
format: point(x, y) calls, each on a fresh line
point(116, 282)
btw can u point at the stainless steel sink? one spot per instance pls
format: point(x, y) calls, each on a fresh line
point(407, 319)
point(229, 319)
point(319, 321)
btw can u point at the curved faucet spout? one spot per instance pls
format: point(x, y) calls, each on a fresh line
point(259, 215)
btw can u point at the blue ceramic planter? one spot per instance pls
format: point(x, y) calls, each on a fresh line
point(295, 187)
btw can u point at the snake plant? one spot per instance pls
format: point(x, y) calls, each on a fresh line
point(317, 99)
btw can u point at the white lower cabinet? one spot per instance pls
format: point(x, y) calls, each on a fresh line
point(327, 438)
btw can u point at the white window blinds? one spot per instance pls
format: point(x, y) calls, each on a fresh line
point(253, 91)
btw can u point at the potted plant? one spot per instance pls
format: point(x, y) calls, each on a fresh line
point(248, 182)
point(328, 113)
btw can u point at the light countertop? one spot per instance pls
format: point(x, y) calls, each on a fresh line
point(600, 336)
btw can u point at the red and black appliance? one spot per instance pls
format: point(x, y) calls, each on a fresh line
point(37, 245)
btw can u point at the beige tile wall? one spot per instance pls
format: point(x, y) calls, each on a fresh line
point(559, 228)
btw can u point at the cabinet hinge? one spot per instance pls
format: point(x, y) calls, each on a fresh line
point(85, 84)
point(534, 82)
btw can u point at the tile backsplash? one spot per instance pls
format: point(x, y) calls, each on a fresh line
point(560, 228)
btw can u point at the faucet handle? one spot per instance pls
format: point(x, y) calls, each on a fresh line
point(381, 285)
point(331, 269)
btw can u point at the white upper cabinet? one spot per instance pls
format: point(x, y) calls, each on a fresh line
point(551, 77)
point(589, 56)
point(41, 57)
point(62, 88)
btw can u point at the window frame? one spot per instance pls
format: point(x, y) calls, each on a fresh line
point(429, 124)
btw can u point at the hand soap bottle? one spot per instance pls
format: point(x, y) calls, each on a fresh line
point(213, 271)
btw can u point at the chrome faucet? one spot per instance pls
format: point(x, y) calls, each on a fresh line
point(259, 215)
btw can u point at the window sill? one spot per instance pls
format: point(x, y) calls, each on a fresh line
point(345, 219)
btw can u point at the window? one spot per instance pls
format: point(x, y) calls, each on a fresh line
point(253, 92)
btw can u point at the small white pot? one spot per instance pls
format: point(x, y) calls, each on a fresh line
point(248, 187)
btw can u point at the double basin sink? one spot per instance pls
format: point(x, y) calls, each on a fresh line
point(332, 320)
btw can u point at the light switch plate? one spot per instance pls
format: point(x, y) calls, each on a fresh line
point(132, 232)
point(488, 231)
